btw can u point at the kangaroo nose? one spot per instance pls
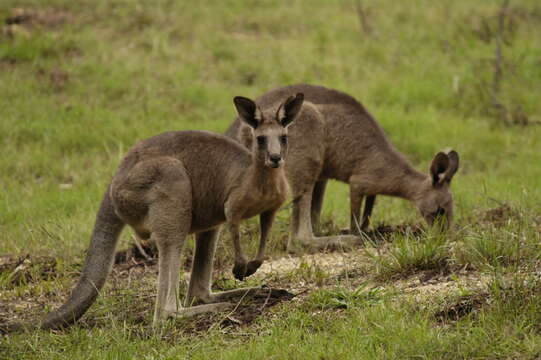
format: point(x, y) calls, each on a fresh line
point(275, 158)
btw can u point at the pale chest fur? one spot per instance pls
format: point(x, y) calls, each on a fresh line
point(264, 198)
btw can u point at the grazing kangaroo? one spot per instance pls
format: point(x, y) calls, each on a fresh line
point(338, 139)
point(178, 183)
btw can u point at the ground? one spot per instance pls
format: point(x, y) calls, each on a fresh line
point(81, 82)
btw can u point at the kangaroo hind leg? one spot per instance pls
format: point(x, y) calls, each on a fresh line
point(317, 204)
point(301, 229)
point(356, 195)
point(199, 289)
point(168, 304)
point(168, 220)
point(367, 213)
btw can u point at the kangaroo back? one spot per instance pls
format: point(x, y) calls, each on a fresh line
point(351, 139)
point(357, 151)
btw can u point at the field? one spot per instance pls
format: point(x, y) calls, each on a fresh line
point(82, 81)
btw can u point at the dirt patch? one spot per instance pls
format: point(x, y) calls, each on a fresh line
point(144, 253)
point(425, 285)
point(56, 77)
point(500, 216)
point(380, 233)
point(26, 268)
point(7, 63)
point(462, 307)
point(245, 312)
point(141, 253)
point(22, 21)
point(384, 232)
point(29, 17)
point(331, 263)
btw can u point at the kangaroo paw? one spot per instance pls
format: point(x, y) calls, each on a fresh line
point(240, 270)
point(253, 266)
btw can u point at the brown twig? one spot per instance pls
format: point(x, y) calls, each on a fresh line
point(230, 313)
point(140, 248)
point(266, 301)
point(498, 59)
point(363, 20)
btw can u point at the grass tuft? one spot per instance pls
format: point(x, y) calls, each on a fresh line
point(343, 298)
point(408, 254)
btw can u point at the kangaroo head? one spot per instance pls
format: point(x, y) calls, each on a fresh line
point(435, 201)
point(269, 128)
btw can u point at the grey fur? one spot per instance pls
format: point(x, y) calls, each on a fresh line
point(175, 184)
point(334, 137)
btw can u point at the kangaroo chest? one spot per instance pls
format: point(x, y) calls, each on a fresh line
point(260, 200)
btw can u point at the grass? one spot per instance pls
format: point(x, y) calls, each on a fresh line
point(85, 80)
point(408, 254)
point(515, 244)
point(343, 298)
point(375, 326)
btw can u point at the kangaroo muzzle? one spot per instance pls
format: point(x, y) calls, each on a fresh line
point(275, 160)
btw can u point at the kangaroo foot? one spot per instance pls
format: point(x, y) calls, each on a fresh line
point(356, 231)
point(243, 270)
point(254, 293)
point(201, 309)
point(190, 311)
point(253, 266)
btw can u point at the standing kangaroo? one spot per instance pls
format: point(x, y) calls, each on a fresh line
point(178, 183)
point(338, 139)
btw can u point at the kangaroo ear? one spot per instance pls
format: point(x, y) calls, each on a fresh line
point(247, 110)
point(444, 166)
point(453, 164)
point(439, 165)
point(288, 111)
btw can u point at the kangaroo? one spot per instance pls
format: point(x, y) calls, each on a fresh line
point(183, 182)
point(340, 140)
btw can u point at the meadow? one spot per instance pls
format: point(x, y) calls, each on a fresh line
point(82, 81)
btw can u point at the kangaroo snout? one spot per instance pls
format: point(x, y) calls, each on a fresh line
point(275, 160)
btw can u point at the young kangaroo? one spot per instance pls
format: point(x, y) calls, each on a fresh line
point(338, 139)
point(178, 183)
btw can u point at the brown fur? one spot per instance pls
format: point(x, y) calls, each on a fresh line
point(183, 182)
point(334, 137)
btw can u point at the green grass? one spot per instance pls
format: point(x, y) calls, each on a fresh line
point(75, 95)
point(408, 254)
point(373, 325)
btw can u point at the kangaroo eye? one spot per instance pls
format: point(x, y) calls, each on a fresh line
point(283, 139)
point(261, 140)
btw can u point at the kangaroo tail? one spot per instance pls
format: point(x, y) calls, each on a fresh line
point(98, 264)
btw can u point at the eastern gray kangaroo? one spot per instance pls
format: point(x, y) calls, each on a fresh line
point(338, 139)
point(178, 183)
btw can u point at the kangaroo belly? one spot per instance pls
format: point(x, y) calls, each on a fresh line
point(206, 219)
point(258, 209)
point(258, 205)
